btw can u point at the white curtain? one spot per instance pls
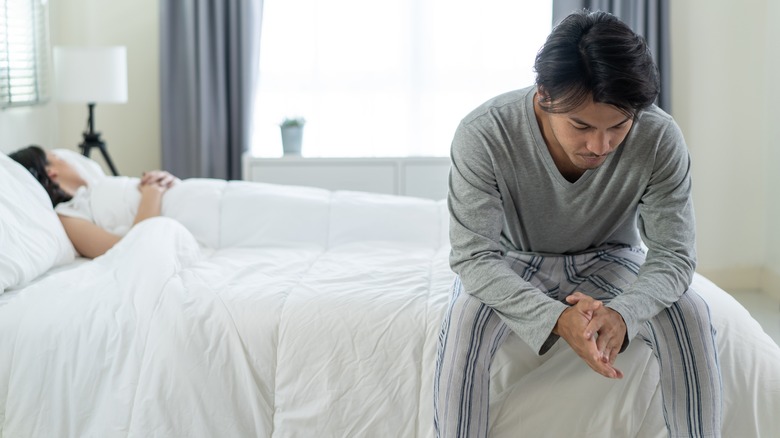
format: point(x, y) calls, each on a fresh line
point(389, 78)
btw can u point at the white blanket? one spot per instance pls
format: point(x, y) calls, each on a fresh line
point(277, 311)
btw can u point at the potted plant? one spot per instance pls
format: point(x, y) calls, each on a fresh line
point(292, 135)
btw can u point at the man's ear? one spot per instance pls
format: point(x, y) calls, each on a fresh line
point(541, 94)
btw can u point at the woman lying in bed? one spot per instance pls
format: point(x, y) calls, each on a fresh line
point(129, 200)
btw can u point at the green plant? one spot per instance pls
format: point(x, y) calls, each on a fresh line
point(292, 121)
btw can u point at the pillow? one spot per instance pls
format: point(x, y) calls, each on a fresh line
point(258, 214)
point(32, 239)
point(358, 216)
point(87, 168)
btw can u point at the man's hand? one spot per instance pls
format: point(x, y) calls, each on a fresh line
point(583, 324)
point(610, 328)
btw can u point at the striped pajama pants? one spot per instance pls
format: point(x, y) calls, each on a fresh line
point(681, 337)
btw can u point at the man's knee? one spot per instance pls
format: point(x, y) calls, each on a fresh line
point(687, 318)
point(692, 305)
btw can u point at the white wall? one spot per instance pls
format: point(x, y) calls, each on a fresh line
point(23, 126)
point(719, 76)
point(772, 108)
point(131, 130)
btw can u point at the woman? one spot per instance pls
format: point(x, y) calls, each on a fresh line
point(70, 195)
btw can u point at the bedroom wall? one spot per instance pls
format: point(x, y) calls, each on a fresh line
point(20, 127)
point(771, 281)
point(719, 74)
point(131, 130)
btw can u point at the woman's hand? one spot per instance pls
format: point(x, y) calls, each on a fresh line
point(160, 178)
point(151, 190)
point(152, 186)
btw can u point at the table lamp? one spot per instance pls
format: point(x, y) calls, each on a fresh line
point(91, 75)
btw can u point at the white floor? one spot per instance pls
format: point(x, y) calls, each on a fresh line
point(764, 308)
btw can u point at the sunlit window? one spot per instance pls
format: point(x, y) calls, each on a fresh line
point(24, 52)
point(388, 78)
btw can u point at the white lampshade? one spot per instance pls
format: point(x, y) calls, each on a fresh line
point(91, 74)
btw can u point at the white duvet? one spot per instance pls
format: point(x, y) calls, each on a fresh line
point(288, 312)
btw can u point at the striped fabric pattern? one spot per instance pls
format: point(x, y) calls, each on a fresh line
point(681, 337)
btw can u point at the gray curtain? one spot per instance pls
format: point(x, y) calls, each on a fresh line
point(649, 18)
point(208, 70)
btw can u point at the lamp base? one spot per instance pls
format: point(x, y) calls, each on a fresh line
point(92, 140)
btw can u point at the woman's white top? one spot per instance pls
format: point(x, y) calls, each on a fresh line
point(110, 203)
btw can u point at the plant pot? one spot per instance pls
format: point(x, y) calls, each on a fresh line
point(292, 137)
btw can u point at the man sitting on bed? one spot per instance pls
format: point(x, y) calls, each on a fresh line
point(550, 189)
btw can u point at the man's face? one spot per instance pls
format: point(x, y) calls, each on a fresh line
point(584, 137)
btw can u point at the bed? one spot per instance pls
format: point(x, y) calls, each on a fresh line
point(254, 309)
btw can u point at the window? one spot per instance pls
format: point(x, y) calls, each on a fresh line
point(24, 52)
point(389, 78)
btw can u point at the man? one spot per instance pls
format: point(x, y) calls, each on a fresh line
point(550, 189)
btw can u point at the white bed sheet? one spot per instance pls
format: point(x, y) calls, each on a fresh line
point(14, 292)
point(163, 337)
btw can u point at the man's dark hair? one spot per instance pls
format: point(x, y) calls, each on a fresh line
point(33, 158)
point(594, 54)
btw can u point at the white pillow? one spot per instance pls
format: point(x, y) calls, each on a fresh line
point(32, 239)
point(358, 216)
point(87, 168)
point(257, 214)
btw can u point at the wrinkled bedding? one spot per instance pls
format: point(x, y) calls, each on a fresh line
point(260, 310)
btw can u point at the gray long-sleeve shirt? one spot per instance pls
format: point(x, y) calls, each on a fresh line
point(507, 197)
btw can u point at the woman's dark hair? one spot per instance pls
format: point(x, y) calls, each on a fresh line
point(594, 54)
point(33, 158)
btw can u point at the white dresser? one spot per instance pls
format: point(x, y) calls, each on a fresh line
point(424, 177)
